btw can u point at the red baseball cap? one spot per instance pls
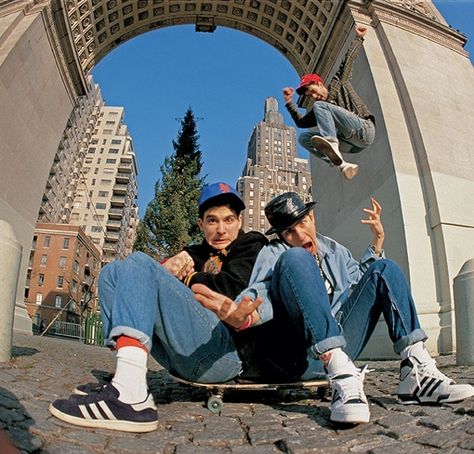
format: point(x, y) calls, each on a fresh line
point(308, 79)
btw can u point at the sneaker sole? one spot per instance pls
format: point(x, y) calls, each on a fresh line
point(324, 147)
point(444, 399)
point(115, 424)
point(355, 417)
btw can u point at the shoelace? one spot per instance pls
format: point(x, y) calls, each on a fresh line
point(353, 389)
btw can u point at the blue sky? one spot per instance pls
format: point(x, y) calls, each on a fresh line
point(224, 76)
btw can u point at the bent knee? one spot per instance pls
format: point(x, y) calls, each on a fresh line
point(295, 256)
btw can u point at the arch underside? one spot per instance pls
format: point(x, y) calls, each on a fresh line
point(297, 28)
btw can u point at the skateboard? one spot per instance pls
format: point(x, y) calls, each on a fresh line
point(215, 401)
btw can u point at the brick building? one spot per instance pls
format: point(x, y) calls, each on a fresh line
point(62, 273)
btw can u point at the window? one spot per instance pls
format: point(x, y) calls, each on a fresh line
point(92, 150)
point(110, 122)
point(96, 228)
point(101, 206)
point(60, 282)
point(73, 286)
point(113, 150)
point(110, 161)
point(104, 182)
point(103, 193)
point(58, 301)
point(46, 241)
point(43, 260)
point(41, 279)
point(62, 262)
point(109, 169)
point(39, 298)
point(66, 243)
point(75, 267)
point(116, 142)
point(107, 131)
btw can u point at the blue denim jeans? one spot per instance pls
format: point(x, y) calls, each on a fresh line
point(303, 326)
point(333, 122)
point(141, 299)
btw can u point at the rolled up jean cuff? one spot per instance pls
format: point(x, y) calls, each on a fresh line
point(327, 344)
point(130, 332)
point(415, 336)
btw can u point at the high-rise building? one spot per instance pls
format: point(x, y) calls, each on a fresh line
point(105, 202)
point(61, 283)
point(64, 173)
point(272, 167)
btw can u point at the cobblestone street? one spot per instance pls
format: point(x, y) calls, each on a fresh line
point(44, 369)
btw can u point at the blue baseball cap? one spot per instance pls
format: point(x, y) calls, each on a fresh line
point(217, 194)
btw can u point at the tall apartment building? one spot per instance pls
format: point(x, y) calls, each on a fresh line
point(105, 201)
point(272, 167)
point(62, 273)
point(63, 177)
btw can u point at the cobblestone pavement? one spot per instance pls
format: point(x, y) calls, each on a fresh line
point(44, 369)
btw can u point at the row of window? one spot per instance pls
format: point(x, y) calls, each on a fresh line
point(59, 282)
point(47, 242)
point(62, 263)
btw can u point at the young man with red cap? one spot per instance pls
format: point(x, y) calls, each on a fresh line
point(339, 119)
point(320, 306)
point(149, 307)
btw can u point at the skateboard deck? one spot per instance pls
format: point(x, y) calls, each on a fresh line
point(215, 402)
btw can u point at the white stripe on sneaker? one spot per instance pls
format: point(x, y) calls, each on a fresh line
point(106, 410)
point(85, 412)
point(93, 408)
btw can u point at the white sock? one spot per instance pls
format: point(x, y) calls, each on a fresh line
point(336, 360)
point(417, 350)
point(130, 375)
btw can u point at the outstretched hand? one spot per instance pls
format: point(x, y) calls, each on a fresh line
point(231, 313)
point(375, 224)
point(288, 93)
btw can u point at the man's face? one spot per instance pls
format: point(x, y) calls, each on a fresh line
point(317, 91)
point(220, 226)
point(302, 234)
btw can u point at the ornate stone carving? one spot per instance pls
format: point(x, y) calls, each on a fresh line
point(417, 6)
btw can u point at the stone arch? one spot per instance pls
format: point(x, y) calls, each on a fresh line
point(49, 46)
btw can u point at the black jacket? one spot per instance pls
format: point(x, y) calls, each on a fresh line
point(237, 263)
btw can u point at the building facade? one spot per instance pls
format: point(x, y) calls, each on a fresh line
point(272, 167)
point(62, 274)
point(105, 202)
point(57, 201)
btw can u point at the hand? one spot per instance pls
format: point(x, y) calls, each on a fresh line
point(231, 313)
point(375, 224)
point(360, 31)
point(180, 265)
point(288, 93)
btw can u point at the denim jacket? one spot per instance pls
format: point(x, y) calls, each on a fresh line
point(342, 270)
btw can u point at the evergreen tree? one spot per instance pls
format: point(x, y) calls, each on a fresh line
point(170, 220)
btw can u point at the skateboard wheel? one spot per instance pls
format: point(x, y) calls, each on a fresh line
point(215, 404)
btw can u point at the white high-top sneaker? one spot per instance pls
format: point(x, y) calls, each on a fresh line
point(422, 382)
point(328, 148)
point(349, 403)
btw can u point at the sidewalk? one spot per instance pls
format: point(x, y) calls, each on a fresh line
point(45, 369)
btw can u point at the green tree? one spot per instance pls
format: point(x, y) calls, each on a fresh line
point(170, 220)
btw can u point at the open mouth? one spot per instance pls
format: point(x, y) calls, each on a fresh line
point(309, 246)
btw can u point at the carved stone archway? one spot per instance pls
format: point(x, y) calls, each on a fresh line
point(417, 166)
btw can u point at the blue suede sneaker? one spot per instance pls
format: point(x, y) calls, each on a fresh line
point(103, 409)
